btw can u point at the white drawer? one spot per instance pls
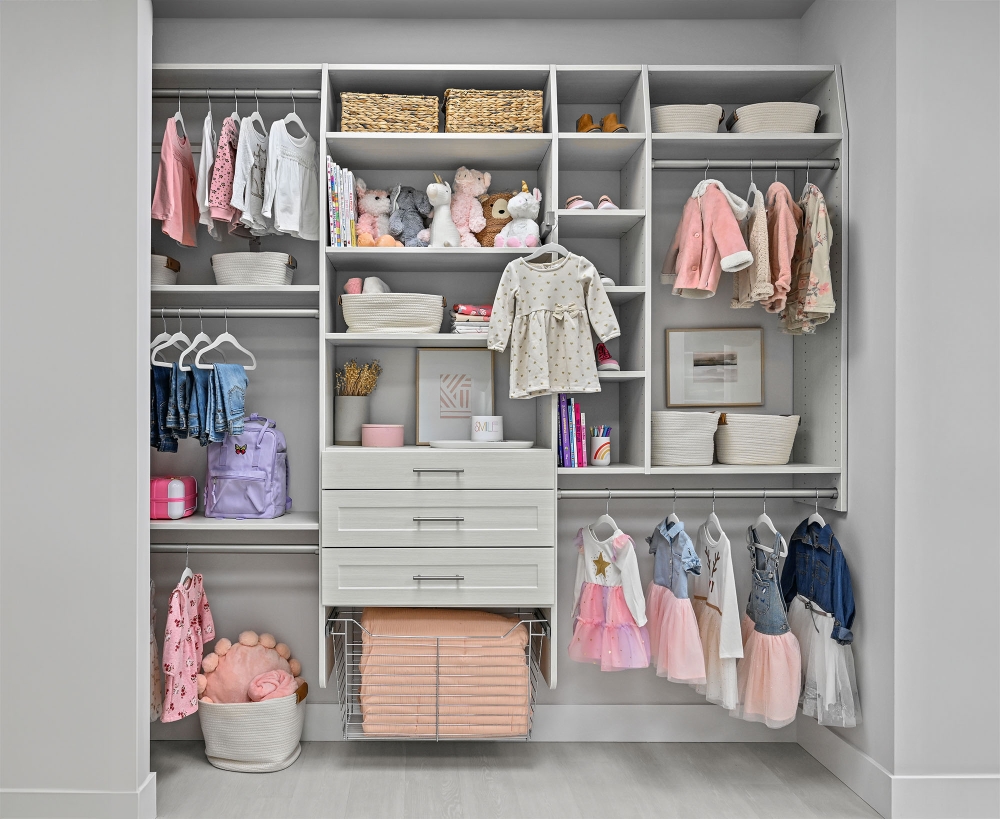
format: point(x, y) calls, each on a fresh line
point(350, 467)
point(438, 577)
point(439, 518)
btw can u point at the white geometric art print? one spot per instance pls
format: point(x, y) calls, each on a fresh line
point(456, 396)
point(452, 386)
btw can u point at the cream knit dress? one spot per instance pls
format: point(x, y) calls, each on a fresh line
point(753, 283)
point(551, 347)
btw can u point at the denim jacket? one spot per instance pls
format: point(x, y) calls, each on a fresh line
point(817, 569)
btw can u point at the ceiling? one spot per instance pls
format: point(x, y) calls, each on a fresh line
point(489, 9)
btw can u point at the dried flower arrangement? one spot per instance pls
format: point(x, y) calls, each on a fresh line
point(355, 379)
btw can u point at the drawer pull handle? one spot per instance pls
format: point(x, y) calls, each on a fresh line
point(460, 469)
point(453, 519)
point(439, 577)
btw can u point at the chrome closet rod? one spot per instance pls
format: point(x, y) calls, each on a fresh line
point(222, 93)
point(236, 548)
point(718, 494)
point(234, 312)
point(762, 166)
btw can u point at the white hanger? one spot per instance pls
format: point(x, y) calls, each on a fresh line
point(548, 247)
point(179, 117)
point(178, 339)
point(753, 185)
point(236, 107)
point(294, 118)
point(161, 337)
point(606, 517)
point(765, 521)
point(201, 338)
point(713, 518)
point(187, 575)
point(806, 186)
point(672, 517)
point(221, 339)
point(816, 517)
point(255, 116)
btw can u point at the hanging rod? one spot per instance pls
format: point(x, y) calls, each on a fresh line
point(761, 165)
point(235, 548)
point(240, 93)
point(234, 312)
point(718, 494)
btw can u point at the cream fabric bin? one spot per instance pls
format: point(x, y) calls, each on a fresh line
point(755, 439)
point(392, 312)
point(683, 438)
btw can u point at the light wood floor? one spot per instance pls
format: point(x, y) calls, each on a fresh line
point(385, 780)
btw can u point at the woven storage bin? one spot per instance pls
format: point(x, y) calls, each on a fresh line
point(163, 269)
point(253, 269)
point(388, 112)
point(254, 737)
point(788, 117)
point(683, 438)
point(755, 439)
point(392, 312)
point(468, 111)
point(702, 119)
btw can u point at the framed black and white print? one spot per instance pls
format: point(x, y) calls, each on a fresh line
point(453, 384)
point(715, 367)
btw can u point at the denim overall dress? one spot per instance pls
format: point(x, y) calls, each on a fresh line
point(766, 606)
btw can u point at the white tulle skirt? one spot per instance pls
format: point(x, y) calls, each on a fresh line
point(720, 674)
point(829, 685)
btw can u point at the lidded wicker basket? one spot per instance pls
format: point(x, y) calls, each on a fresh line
point(755, 439)
point(388, 112)
point(683, 438)
point(163, 269)
point(786, 117)
point(265, 269)
point(670, 119)
point(468, 111)
point(392, 312)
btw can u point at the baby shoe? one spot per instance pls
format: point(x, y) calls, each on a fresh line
point(605, 203)
point(578, 203)
point(353, 286)
point(586, 123)
point(610, 124)
point(373, 284)
point(604, 359)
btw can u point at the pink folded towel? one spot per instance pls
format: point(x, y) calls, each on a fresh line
point(270, 685)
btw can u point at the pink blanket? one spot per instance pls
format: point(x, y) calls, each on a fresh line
point(270, 685)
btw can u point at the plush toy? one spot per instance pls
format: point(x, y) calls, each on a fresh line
point(466, 209)
point(409, 209)
point(496, 214)
point(522, 230)
point(373, 217)
point(442, 232)
point(230, 669)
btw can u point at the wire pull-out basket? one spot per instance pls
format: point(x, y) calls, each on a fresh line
point(448, 683)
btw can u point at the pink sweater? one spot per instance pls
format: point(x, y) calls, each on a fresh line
point(708, 241)
point(784, 218)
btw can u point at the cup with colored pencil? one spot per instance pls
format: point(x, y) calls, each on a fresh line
point(600, 446)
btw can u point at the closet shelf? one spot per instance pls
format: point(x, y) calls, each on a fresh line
point(597, 152)
point(619, 294)
point(423, 259)
point(621, 375)
point(616, 468)
point(744, 146)
point(200, 526)
point(738, 469)
point(214, 295)
point(437, 152)
point(596, 224)
point(405, 340)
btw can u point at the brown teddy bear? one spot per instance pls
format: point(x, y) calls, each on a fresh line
point(495, 211)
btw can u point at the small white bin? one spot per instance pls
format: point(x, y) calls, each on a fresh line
point(755, 439)
point(683, 438)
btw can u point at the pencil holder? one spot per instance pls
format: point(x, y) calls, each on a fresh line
point(600, 451)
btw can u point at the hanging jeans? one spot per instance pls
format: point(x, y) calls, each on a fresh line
point(165, 440)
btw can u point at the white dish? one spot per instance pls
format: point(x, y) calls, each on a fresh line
point(482, 444)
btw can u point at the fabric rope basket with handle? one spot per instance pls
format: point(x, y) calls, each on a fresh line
point(388, 112)
point(755, 439)
point(253, 269)
point(786, 117)
point(393, 312)
point(683, 438)
point(254, 737)
point(468, 111)
point(703, 119)
point(163, 269)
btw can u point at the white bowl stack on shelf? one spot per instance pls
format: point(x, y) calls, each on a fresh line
point(671, 119)
point(683, 438)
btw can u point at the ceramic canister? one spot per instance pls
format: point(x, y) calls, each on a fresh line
point(487, 427)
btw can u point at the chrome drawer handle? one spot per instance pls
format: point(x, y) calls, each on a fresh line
point(439, 577)
point(439, 470)
point(455, 519)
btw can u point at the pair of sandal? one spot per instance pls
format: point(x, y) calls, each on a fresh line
point(579, 203)
point(609, 125)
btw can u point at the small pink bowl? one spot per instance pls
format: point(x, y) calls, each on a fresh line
point(381, 435)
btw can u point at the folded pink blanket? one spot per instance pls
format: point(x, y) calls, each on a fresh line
point(270, 685)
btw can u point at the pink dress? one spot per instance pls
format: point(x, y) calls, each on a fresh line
point(189, 627)
point(174, 200)
point(609, 610)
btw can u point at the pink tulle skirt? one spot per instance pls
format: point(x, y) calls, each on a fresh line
point(674, 640)
point(768, 677)
point(605, 631)
point(720, 672)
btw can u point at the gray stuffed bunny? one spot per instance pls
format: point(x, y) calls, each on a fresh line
point(409, 208)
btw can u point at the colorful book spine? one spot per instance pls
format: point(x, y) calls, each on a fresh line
point(564, 429)
point(583, 427)
point(351, 232)
point(329, 192)
point(581, 459)
point(571, 411)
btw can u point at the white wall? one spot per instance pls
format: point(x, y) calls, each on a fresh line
point(75, 556)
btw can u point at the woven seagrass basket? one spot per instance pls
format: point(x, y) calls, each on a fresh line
point(253, 269)
point(392, 312)
point(755, 439)
point(388, 112)
point(787, 117)
point(468, 111)
point(683, 438)
point(702, 119)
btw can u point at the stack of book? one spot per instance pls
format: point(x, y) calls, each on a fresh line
point(572, 433)
point(343, 205)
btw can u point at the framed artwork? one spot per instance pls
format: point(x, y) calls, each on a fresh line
point(453, 384)
point(717, 367)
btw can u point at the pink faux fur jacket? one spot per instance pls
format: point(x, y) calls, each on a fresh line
point(784, 218)
point(708, 241)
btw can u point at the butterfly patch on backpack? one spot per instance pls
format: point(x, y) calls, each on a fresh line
point(241, 449)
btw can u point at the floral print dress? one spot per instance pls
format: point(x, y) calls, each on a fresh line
point(189, 627)
point(810, 299)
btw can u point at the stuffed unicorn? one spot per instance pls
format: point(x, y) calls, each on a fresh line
point(522, 229)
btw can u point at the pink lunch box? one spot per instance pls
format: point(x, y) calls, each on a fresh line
point(381, 435)
point(172, 497)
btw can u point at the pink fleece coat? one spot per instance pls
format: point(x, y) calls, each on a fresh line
point(708, 241)
point(784, 218)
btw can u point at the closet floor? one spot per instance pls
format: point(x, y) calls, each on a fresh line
point(514, 780)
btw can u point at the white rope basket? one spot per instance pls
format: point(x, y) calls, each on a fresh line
point(787, 117)
point(668, 119)
point(392, 312)
point(163, 269)
point(755, 439)
point(254, 737)
point(683, 438)
point(253, 269)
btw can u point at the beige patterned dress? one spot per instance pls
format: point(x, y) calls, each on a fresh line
point(556, 304)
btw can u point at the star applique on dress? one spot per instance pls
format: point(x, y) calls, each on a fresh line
point(601, 565)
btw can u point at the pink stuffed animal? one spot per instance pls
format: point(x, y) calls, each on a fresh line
point(230, 668)
point(466, 208)
point(374, 207)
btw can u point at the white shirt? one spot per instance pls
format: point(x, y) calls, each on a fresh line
point(248, 179)
point(610, 562)
point(204, 186)
point(291, 183)
point(717, 586)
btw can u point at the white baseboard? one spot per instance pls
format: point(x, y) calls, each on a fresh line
point(51, 804)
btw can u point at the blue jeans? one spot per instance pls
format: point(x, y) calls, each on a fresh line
point(200, 403)
point(165, 440)
point(231, 387)
point(177, 405)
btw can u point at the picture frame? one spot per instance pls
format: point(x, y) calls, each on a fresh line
point(452, 385)
point(715, 367)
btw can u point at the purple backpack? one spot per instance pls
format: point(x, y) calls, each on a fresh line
point(247, 474)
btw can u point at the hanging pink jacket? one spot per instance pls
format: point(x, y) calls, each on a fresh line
point(784, 218)
point(708, 241)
